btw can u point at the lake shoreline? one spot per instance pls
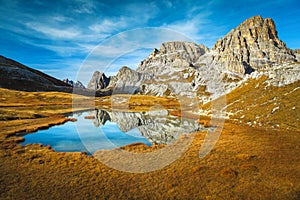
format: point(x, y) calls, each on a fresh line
point(246, 162)
point(224, 165)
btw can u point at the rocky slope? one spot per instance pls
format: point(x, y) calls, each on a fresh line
point(186, 69)
point(98, 81)
point(14, 75)
point(296, 52)
point(173, 54)
point(260, 102)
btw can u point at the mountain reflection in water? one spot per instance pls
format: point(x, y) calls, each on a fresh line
point(156, 126)
point(100, 129)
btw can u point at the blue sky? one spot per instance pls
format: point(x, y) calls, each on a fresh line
point(56, 37)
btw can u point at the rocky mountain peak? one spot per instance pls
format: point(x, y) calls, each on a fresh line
point(98, 81)
point(174, 53)
point(126, 73)
point(191, 48)
point(253, 45)
point(187, 69)
point(124, 69)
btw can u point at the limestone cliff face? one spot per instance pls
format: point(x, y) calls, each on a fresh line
point(253, 45)
point(297, 54)
point(128, 81)
point(98, 81)
point(176, 53)
point(186, 69)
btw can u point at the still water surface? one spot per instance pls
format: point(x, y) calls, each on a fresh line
point(108, 130)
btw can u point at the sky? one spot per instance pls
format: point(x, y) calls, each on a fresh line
point(71, 39)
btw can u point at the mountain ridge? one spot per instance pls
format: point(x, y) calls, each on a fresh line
point(187, 69)
point(181, 68)
point(14, 75)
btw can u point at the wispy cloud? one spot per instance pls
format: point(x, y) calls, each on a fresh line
point(108, 26)
point(127, 48)
point(194, 25)
point(53, 32)
point(105, 32)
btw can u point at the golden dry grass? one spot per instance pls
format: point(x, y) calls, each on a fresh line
point(246, 163)
point(264, 106)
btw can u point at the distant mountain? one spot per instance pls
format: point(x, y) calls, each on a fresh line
point(14, 75)
point(74, 84)
point(98, 81)
point(187, 69)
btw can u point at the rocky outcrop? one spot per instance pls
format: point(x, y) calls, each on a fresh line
point(187, 69)
point(253, 45)
point(128, 81)
point(98, 81)
point(176, 53)
point(76, 84)
point(280, 75)
point(297, 54)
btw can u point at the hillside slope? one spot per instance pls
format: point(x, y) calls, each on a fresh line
point(261, 102)
point(14, 75)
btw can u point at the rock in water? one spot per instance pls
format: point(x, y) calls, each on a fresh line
point(253, 45)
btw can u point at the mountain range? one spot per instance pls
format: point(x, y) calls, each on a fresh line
point(187, 69)
point(182, 69)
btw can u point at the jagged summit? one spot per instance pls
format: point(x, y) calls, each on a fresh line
point(180, 68)
point(174, 53)
point(98, 81)
point(252, 45)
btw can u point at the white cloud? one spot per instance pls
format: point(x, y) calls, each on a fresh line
point(110, 25)
point(141, 12)
point(192, 27)
point(69, 35)
point(127, 48)
point(54, 33)
point(188, 28)
point(59, 18)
